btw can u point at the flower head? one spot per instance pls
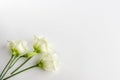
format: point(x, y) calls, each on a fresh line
point(49, 62)
point(40, 45)
point(18, 47)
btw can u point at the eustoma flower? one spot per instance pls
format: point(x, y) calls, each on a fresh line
point(49, 62)
point(41, 45)
point(18, 48)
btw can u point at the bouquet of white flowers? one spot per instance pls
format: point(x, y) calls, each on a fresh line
point(48, 60)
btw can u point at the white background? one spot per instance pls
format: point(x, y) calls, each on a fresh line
point(85, 33)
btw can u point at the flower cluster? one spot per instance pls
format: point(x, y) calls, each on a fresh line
point(48, 60)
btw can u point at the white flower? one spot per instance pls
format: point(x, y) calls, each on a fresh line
point(40, 45)
point(49, 62)
point(18, 47)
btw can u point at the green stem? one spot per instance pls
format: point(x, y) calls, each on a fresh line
point(6, 65)
point(20, 72)
point(20, 65)
point(15, 61)
point(7, 69)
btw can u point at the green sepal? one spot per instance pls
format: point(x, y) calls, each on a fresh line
point(30, 54)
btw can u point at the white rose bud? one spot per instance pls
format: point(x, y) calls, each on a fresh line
point(49, 62)
point(40, 45)
point(18, 47)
